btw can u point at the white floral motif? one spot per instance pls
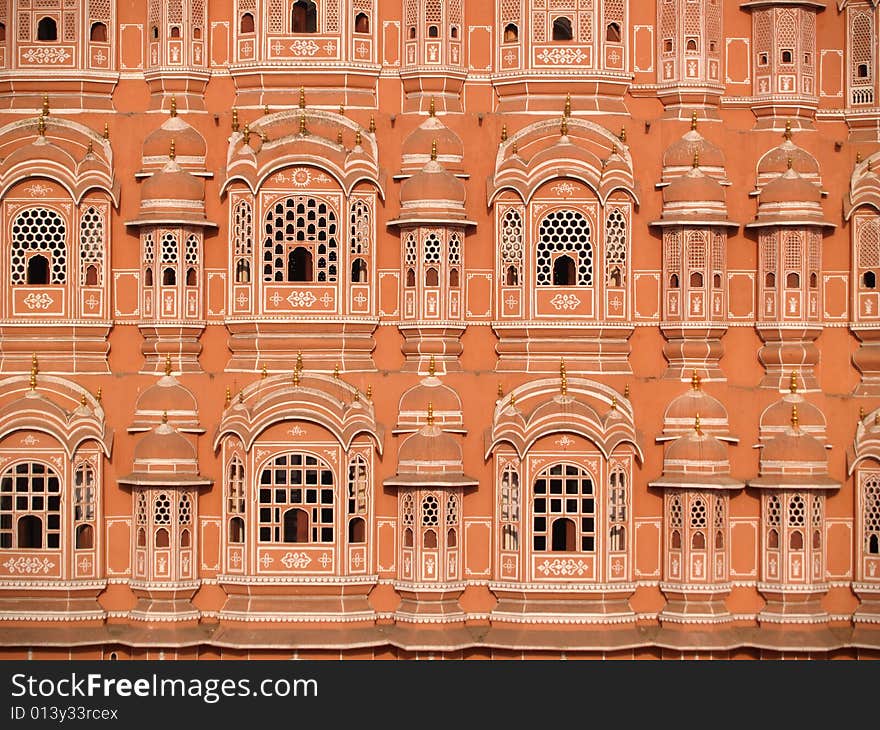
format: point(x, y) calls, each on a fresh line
point(301, 299)
point(38, 190)
point(566, 567)
point(301, 177)
point(304, 48)
point(565, 301)
point(38, 301)
point(564, 188)
point(22, 564)
point(46, 55)
point(295, 560)
point(562, 55)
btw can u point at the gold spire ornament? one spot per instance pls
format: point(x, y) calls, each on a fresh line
point(613, 402)
point(247, 133)
point(302, 124)
point(563, 127)
point(567, 109)
point(173, 106)
point(228, 398)
point(695, 381)
point(91, 148)
point(106, 130)
point(99, 395)
point(503, 132)
point(339, 136)
point(500, 391)
point(696, 160)
point(234, 119)
point(787, 133)
point(793, 383)
point(563, 378)
point(794, 416)
point(372, 126)
point(861, 413)
point(788, 162)
point(164, 417)
point(82, 400)
point(241, 396)
point(626, 391)
point(430, 413)
point(357, 396)
point(432, 367)
point(167, 364)
point(299, 360)
point(295, 378)
point(369, 392)
point(302, 98)
point(266, 111)
point(514, 148)
point(513, 400)
point(622, 136)
point(357, 138)
point(341, 110)
point(336, 372)
point(264, 373)
point(694, 121)
point(434, 150)
point(432, 108)
point(697, 424)
point(41, 126)
point(45, 111)
point(34, 370)
point(172, 153)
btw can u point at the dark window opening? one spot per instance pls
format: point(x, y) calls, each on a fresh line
point(30, 532)
point(673, 281)
point(358, 271)
point(98, 33)
point(141, 537)
point(2, 31)
point(667, 46)
point(563, 535)
point(299, 265)
point(191, 279)
point(862, 71)
point(787, 56)
point(246, 24)
point(163, 538)
point(698, 541)
point(197, 33)
point(154, 32)
point(185, 538)
point(615, 276)
point(91, 275)
point(175, 31)
point(716, 281)
point(564, 271)
point(453, 32)
point(148, 277)
point(770, 279)
point(408, 537)
point(361, 23)
point(792, 280)
point(719, 540)
point(817, 540)
point(696, 279)
point(236, 530)
point(713, 46)
point(85, 539)
point(243, 272)
point(357, 531)
point(451, 538)
point(874, 545)
point(676, 540)
point(47, 30)
point(410, 278)
point(763, 59)
point(796, 540)
point(773, 540)
point(511, 33)
point(612, 33)
point(304, 17)
point(37, 270)
point(412, 32)
point(430, 539)
point(512, 278)
point(691, 45)
point(296, 526)
point(869, 280)
point(169, 276)
point(433, 31)
point(814, 280)
point(453, 277)
point(432, 277)
point(562, 29)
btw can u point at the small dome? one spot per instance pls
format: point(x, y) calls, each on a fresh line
point(683, 411)
point(795, 447)
point(432, 184)
point(417, 145)
point(172, 182)
point(165, 449)
point(776, 161)
point(681, 152)
point(777, 416)
point(429, 447)
point(694, 448)
point(187, 141)
point(694, 186)
point(431, 394)
point(790, 188)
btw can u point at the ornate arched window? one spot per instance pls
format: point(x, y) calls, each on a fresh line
point(30, 507)
point(296, 500)
point(42, 234)
point(871, 513)
point(300, 243)
point(564, 510)
point(358, 489)
point(564, 234)
point(236, 501)
point(91, 247)
point(510, 498)
point(511, 247)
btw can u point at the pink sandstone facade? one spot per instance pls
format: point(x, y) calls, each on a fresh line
point(409, 328)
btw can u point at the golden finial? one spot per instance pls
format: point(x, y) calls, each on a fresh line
point(336, 371)
point(295, 378)
point(430, 413)
point(626, 391)
point(567, 109)
point(695, 381)
point(794, 416)
point(434, 150)
point(372, 126)
point(697, 424)
point(793, 384)
point(168, 364)
point(500, 391)
point(503, 132)
point(106, 130)
point(877, 418)
point(512, 400)
point(341, 110)
point(45, 105)
point(302, 98)
point(339, 136)
point(787, 133)
point(613, 402)
point(858, 158)
point(41, 126)
point(241, 396)
point(82, 399)
point(247, 133)
point(299, 360)
point(369, 392)
point(861, 413)
point(694, 120)
point(357, 396)
point(173, 105)
point(870, 165)
point(234, 119)
point(696, 159)
point(563, 378)
point(264, 373)
point(357, 138)
point(432, 367)
point(98, 394)
point(171, 151)
point(563, 127)
point(622, 136)
point(432, 108)
point(164, 416)
point(266, 111)
point(91, 148)
point(788, 163)
point(514, 149)
point(228, 399)
point(34, 370)
point(614, 149)
point(263, 137)
point(302, 124)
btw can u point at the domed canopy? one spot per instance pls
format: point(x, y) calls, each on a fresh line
point(430, 458)
point(697, 459)
point(682, 412)
point(169, 398)
point(790, 200)
point(417, 145)
point(429, 393)
point(680, 154)
point(165, 457)
point(694, 199)
point(189, 144)
point(433, 195)
point(172, 197)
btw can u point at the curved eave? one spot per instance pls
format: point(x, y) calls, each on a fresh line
point(697, 481)
point(432, 221)
point(254, 176)
point(799, 482)
point(525, 186)
point(817, 6)
point(150, 479)
point(431, 480)
point(75, 185)
point(522, 442)
point(790, 223)
point(869, 199)
point(695, 222)
point(70, 438)
point(171, 221)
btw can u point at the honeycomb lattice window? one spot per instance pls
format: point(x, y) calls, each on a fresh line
point(407, 511)
point(430, 511)
point(454, 252)
point(91, 245)
point(168, 248)
point(140, 510)
point(360, 229)
point(30, 507)
point(39, 230)
point(675, 513)
point(242, 228)
point(774, 511)
point(452, 510)
point(432, 249)
point(184, 510)
point(149, 249)
point(816, 512)
point(564, 231)
point(871, 515)
point(162, 509)
point(796, 512)
point(699, 518)
point(298, 230)
point(719, 514)
point(296, 502)
point(615, 248)
point(564, 510)
point(191, 251)
point(512, 239)
point(411, 250)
